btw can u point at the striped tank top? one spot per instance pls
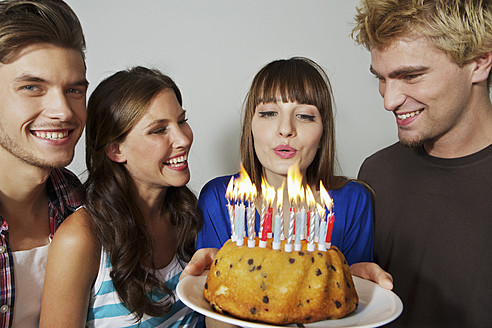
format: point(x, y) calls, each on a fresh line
point(107, 310)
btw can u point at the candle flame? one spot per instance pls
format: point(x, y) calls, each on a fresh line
point(230, 188)
point(321, 210)
point(280, 196)
point(294, 181)
point(243, 187)
point(325, 197)
point(310, 197)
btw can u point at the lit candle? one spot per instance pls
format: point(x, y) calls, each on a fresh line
point(322, 234)
point(330, 219)
point(239, 226)
point(310, 219)
point(294, 179)
point(280, 211)
point(276, 232)
point(251, 217)
point(262, 214)
point(290, 232)
point(230, 206)
point(330, 222)
point(267, 226)
point(317, 215)
point(302, 226)
point(298, 231)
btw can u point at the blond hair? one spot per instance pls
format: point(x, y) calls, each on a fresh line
point(460, 28)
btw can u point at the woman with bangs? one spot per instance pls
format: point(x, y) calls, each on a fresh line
point(288, 119)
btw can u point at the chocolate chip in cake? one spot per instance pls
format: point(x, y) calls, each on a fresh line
point(307, 301)
point(217, 273)
point(301, 253)
point(318, 272)
point(312, 259)
point(331, 267)
point(206, 285)
point(265, 299)
point(263, 286)
point(216, 260)
point(230, 266)
point(250, 261)
point(291, 260)
point(307, 318)
point(338, 304)
point(253, 310)
point(258, 267)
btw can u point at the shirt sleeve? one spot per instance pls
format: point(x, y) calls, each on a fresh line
point(353, 206)
point(216, 225)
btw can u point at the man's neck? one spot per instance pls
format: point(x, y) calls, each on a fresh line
point(24, 198)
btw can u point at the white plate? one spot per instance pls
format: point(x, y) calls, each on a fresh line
point(377, 306)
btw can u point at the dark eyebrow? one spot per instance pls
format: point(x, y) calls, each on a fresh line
point(165, 120)
point(402, 71)
point(32, 78)
point(29, 78)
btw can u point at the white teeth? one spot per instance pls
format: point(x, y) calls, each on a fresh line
point(408, 115)
point(177, 160)
point(51, 135)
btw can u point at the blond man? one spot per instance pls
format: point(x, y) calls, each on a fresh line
point(433, 188)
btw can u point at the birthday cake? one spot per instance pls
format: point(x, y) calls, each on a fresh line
point(279, 287)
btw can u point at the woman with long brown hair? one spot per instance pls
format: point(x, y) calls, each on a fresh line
point(116, 261)
point(288, 119)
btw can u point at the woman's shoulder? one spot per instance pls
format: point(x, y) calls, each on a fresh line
point(216, 183)
point(353, 189)
point(76, 232)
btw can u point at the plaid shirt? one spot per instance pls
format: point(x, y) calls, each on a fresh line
point(63, 193)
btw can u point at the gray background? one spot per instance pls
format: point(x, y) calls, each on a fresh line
point(212, 49)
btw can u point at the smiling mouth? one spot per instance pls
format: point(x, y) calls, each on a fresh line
point(408, 115)
point(177, 161)
point(51, 135)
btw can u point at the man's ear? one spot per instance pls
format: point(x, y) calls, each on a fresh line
point(115, 154)
point(483, 64)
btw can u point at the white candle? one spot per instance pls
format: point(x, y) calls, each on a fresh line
point(239, 224)
point(290, 232)
point(316, 226)
point(311, 231)
point(322, 236)
point(230, 209)
point(277, 232)
point(297, 242)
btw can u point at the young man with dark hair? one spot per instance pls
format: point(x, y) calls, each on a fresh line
point(42, 115)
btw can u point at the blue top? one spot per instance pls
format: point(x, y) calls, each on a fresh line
point(353, 231)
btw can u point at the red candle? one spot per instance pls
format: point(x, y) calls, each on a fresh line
point(267, 224)
point(330, 222)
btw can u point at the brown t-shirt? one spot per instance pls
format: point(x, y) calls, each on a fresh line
point(433, 233)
